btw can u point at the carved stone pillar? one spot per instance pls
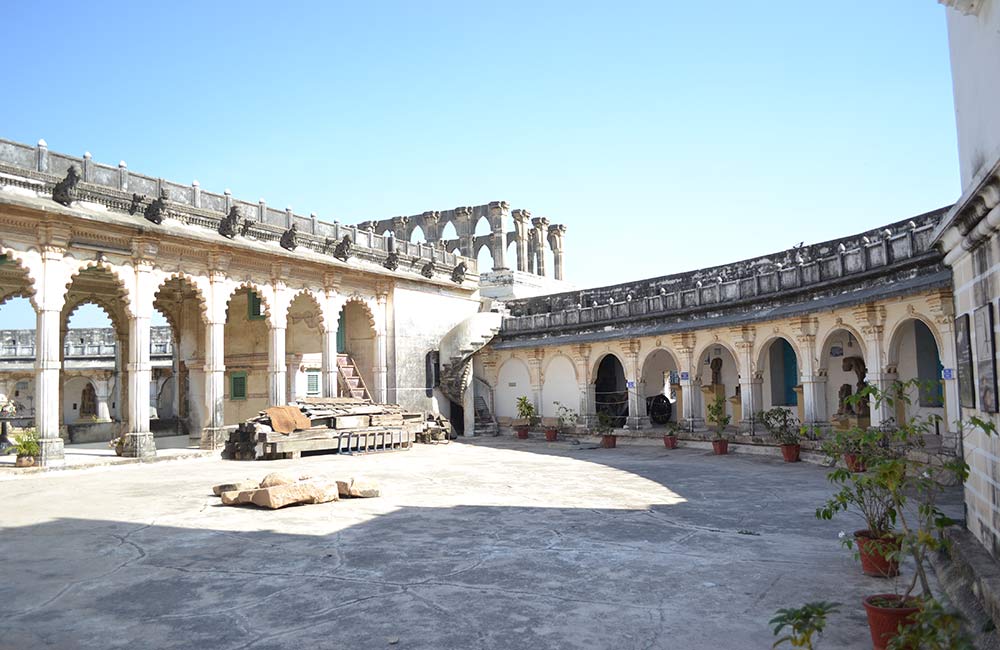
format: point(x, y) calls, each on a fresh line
point(636, 412)
point(139, 440)
point(813, 388)
point(557, 234)
point(399, 227)
point(465, 227)
point(537, 379)
point(498, 210)
point(212, 432)
point(749, 398)
point(691, 412)
point(581, 357)
point(429, 221)
point(872, 326)
point(521, 228)
point(47, 367)
point(942, 307)
point(331, 321)
point(381, 370)
point(541, 225)
point(276, 369)
point(102, 394)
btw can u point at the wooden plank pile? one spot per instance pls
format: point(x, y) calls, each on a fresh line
point(341, 424)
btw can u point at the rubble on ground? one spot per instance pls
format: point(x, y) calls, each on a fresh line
point(278, 489)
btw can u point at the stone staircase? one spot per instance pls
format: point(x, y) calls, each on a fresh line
point(457, 348)
point(351, 383)
point(486, 425)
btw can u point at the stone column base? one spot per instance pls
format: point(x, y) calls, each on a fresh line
point(139, 445)
point(50, 452)
point(213, 438)
point(693, 424)
point(637, 423)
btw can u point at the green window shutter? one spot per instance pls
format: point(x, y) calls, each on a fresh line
point(254, 311)
point(312, 384)
point(238, 386)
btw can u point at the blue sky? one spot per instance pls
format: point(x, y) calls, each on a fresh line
point(665, 135)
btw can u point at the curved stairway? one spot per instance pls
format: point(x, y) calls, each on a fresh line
point(456, 351)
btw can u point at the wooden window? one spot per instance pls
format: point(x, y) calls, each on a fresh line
point(238, 386)
point(312, 384)
point(254, 308)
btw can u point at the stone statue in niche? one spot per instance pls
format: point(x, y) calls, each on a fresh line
point(288, 238)
point(716, 366)
point(458, 273)
point(229, 223)
point(343, 250)
point(843, 407)
point(391, 261)
point(157, 209)
point(428, 270)
point(61, 192)
point(858, 367)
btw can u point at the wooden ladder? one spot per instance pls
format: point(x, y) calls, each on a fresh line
point(351, 383)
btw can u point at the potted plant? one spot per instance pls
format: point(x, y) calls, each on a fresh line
point(606, 429)
point(784, 428)
point(804, 622)
point(717, 418)
point(526, 417)
point(670, 437)
point(853, 446)
point(566, 417)
point(909, 482)
point(27, 449)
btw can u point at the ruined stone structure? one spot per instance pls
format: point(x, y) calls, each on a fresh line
point(253, 295)
point(789, 329)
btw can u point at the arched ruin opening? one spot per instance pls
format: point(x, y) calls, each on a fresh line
point(611, 390)
point(656, 381)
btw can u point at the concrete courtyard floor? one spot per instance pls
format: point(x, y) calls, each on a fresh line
point(493, 543)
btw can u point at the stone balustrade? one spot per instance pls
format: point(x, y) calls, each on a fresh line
point(38, 169)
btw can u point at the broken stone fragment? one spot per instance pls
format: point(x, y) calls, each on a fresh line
point(280, 496)
point(238, 486)
point(230, 498)
point(364, 488)
point(276, 478)
point(344, 487)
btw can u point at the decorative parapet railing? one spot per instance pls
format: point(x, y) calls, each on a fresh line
point(761, 280)
point(82, 343)
point(37, 168)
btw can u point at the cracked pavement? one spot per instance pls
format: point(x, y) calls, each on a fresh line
point(493, 543)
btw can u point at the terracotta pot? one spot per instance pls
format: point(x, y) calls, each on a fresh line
point(884, 622)
point(521, 432)
point(790, 453)
point(854, 462)
point(720, 447)
point(551, 434)
point(670, 442)
point(873, 553)
point(609, 441)
point(24, 461)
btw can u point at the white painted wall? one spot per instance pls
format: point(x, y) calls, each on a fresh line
point(975, 69)
point(513, 382)
point(560, 385)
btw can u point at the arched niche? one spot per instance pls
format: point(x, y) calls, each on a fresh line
point(560, 387)
point(513, 381)
point(914, 353)
point(659, 372)
point(611, 389)
point(304, 347)
point(778, 364)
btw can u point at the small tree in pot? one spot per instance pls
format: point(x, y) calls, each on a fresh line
point(784, 428)
point(670, 437)
point(566, 417)
point(26, 447)
point(526, 417)
point(606, 429)
point(717, 418)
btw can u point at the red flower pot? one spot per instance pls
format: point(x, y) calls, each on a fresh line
point(854, 462)
point(670, 442)
point(790, 453)
point(884, 621)
point(551, 434)
point(720, 447)
point(609, 442)
point(521, 432)
point(873, 552)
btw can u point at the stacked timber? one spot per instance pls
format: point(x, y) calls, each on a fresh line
point(342, 424)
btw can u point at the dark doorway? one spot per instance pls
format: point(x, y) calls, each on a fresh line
point(611, 390)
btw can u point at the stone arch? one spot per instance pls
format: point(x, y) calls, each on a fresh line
point(305, 325)
point(611, 387)
point(484, 257)
point(701, 370)
point(413, 237)
point(317, 301)
point(262, 292)
point(850, 344)
point(11, 257)
point(779, 366)
point(357, 336)
point(185, 279)
point(113, 270)
point(474, 228)
point(560, 384)
point(513, 381)
point(653, 380)
point(914, 352)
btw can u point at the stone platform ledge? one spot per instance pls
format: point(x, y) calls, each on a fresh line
point(738, 444)
point(970, 578)
point(15, 472)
